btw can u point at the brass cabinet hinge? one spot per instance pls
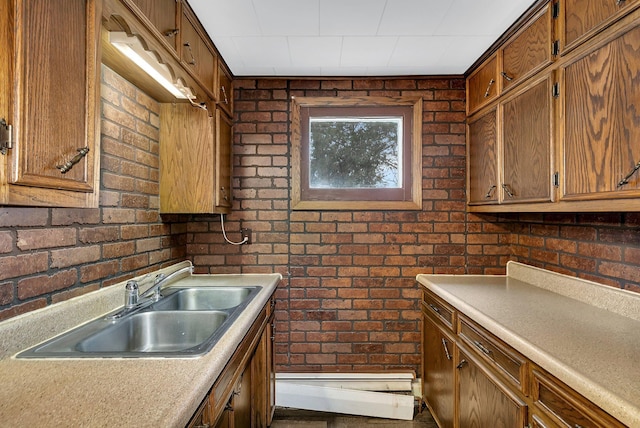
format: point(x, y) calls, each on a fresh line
point(555, 10)
point(555, 90)
point(555, 48)
point(6, 136)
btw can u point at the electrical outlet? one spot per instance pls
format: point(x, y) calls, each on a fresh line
point(246, 234)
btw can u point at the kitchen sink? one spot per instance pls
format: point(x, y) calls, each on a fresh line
point(203, 298)
point(185, 322)
point(152, 331)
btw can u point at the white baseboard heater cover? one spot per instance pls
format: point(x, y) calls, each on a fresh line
point(352, 394)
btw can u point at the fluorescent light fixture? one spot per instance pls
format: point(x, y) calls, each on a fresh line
point(132, 48)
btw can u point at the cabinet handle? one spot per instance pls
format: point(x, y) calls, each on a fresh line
point(508, 190)
point(490, 191)
point(491, 82)
point(446, 351)
point(434, 308)
point(66, 167)
point(172, 33)
point(193, 58)
point(481, 347)
point(461, 364)
point(626, 179)
point(506, 76)
point(619, 3)
point(224, 93)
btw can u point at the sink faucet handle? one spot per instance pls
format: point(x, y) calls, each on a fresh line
point(131, 293)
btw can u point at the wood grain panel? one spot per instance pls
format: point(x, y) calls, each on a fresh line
point(528, 51)
point(584, 17)
point(186, 159)
point(438, 374)
point(224, 157)
point(196, 55)
point(602, 121)
point(483, 159)
point(527, 144)
point(162, 15)
point(483, 400)
point(56, 108)
point(482, 85)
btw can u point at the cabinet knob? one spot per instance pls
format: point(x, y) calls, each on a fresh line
point(490, 191)
point(461, 364)
point(224, 93)
point(506, 76)
point(625, 180)
point(172, 33)
point(508, 190)
point(66, 167)
point(446, 351)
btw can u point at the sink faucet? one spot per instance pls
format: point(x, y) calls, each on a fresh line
point(133, 300)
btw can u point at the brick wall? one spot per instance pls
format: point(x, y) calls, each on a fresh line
point(349, 301)
point(601, 247)
point(52, 254)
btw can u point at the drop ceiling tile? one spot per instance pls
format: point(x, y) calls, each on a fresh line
point(263, 51)
point(227, 17)
point(350, 17)
point(367, 51)
point(412, 17)
point(315, 51)
point(288, 17)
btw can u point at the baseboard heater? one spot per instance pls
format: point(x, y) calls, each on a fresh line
point(382, 395)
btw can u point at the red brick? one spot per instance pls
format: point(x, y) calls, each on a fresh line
point(22, 265)
point(32, 239)
point(23, 217)
point(74, 256)
point(45, 284)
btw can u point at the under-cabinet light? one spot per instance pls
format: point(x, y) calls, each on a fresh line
point(132, 48)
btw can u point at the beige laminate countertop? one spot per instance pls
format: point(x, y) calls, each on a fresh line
point(585, 334)
point(112, 392)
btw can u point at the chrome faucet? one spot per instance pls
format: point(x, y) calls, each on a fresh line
point(133, 300)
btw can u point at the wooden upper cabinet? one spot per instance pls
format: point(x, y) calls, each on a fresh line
point(529, 50)
point(162, 15)
point(483, 159)
point(601, 134)
point(196, 54)
point(482, 85)
point(583, 18)
point(526, 144)
point(225, 89)
point(224, 155)
point(54, 114)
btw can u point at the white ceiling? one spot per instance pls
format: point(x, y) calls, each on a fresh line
point(317, 38)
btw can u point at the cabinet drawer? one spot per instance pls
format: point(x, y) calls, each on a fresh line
point(528, 51)
point(565, 406)
point(482, 85)
point(504, 359)
point(435, 306)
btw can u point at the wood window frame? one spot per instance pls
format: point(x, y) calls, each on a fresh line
point(409, 197)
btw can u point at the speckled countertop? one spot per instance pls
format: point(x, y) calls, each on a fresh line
point(140, 392)
point(585, 334)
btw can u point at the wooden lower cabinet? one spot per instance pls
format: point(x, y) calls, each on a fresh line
point(473, 379)
point(484, 400)
point(438, 381)
point(241, 396)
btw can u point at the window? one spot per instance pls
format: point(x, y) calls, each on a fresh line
point(357, 153)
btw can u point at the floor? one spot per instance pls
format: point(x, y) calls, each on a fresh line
point(294, 418)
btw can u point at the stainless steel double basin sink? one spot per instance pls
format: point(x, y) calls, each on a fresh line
point(185, 322)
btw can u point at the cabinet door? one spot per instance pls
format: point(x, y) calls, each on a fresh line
point(601, 140)
point(482, 85)
point(483, 159)
point(526, 142)
point(483, 400)
point(187, 159)
point(242, 400)
point(224, 158)
point(529, 50)
point(162, 15)
point(225, 90)
point(438, 380)
point(583, 18)
point(55, 159)
point(196, 54)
